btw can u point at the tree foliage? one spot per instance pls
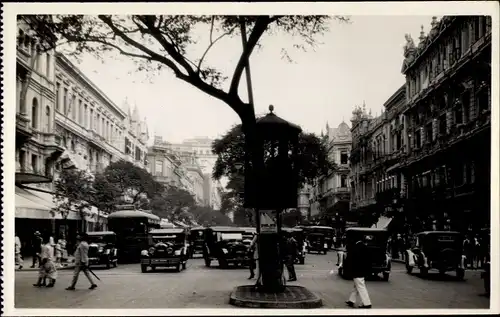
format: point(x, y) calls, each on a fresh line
point(312, 159)
point(72, 191)
point(123, 179)
point(207, 216)
point(171, 203)
point(158, 42)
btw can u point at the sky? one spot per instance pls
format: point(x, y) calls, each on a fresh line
point(354, 63)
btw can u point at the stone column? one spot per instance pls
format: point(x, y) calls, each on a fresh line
point(449, 120)
point(435, 128)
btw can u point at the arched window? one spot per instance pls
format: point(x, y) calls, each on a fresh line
point(47, 119)
point(34, 113)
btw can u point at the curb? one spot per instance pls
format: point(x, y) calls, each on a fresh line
point(235, 300)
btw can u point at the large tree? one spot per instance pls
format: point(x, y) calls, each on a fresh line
point(207, 216)
point(171, 202)
point(127, 180)
point(73, 191)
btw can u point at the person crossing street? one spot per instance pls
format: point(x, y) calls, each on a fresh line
point(47, 269)
point(290, 254)
point(81, 262)
point(360, 267)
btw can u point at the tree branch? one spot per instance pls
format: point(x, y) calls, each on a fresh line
point(154, 56)
point(259, 29)
point(149, 22)
point(212, 42)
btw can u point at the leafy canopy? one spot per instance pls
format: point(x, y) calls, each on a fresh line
point(312, 160)
point(158, 42)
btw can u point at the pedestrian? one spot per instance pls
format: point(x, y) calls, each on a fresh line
point(17, 248)
point(36, 248)
point(476, 252)
point(359, 267)
point(81, 262)
point(290, 255)
point(47, 269)
point(60, 247)
point(469, 252)
point(252, 258)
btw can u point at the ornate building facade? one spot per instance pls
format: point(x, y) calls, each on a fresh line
point(448, 122)
point(331, 193)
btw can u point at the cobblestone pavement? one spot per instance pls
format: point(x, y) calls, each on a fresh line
point(201, 287)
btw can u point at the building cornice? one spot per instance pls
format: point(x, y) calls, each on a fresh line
point(68, 66)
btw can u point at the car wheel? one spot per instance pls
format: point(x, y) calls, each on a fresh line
point(108, 265)
point(302, 260)
point(153, 268)
point(184, 265)
point(460, 274)
point(178, 268)
point(324, 252)
point(144, 268)
point(385, 276)
point(207, 262)
point(223, 264)
point(115, 264)
point(409, 268)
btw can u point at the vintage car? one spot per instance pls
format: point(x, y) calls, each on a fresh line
point(196, 241)
point(102, 248)
point(316, 242)
point(249, 233)
point(298, 235)
point(329, 233)
point(376, 245)
point(440, 250)
point(167, 248)
point(225, 244)
point(486, 270)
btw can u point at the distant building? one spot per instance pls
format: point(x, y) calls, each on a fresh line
point(333, 190)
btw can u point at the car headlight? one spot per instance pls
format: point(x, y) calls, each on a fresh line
point(107, 251)
point(177, 252)
point(144, 252)
point(224, 250)
point(101, 249)
point(151, 250)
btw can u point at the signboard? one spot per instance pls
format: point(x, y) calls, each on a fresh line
point(268, 221)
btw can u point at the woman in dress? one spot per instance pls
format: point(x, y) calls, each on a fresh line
point(60, 247)
point(47, 268)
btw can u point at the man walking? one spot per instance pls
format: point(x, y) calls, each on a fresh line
point(19, 258)
point(290, 254)
point(359, 266)
point(36, 247)
point(252, 255)
point(81, 262)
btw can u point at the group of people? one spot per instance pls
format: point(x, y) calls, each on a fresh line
point(58, 250)
point(289, 255)
point(47, 269)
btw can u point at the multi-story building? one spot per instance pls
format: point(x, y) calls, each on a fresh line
point(195, 174)
point(201, 147)
point(36, 149)
point(331, 192)
point(448, 122)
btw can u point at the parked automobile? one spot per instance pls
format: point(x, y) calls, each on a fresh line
point(196, 241)
point(102, 248)
point(316, 242)
point(298, 235)
point(440, 250)
point(225, 244)
point(329, 233)
point(167, 248)
point(376, 245)
point(249, 233)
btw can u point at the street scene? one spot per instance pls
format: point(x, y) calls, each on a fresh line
point(253, 161)
point(202, 287)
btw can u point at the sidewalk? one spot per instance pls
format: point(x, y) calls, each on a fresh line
point(27, 261)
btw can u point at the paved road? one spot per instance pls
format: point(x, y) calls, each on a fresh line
point(201, 287)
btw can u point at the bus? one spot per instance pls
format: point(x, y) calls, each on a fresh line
point(131, 227)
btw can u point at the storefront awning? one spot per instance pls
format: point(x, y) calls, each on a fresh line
point(382, 223)
point(33, 204)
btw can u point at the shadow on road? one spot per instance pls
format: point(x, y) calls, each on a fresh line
point(436, 276)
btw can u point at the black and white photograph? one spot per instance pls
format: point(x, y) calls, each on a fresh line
point(250, 158)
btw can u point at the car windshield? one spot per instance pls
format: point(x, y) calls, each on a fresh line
point(231, 236)
point(101, 239)
point(172, 238)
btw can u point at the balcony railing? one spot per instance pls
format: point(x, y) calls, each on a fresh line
point(342, 190)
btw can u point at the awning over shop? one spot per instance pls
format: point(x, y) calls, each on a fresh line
point(34, 204)
point(382, 223)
